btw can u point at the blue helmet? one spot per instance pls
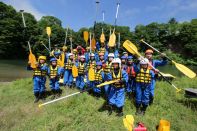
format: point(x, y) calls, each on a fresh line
point(98, 63)
point(130, 57)
point(123, 57)
point(53, 59)
point(57, 53)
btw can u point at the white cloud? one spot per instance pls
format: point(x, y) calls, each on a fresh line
point(25, 5)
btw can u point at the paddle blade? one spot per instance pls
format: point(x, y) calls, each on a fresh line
point(48, 30)
point(91, 74)
point(107, 83)
point(32, 60)
point(102, 38)
point(85, 36)
point(130, 119)
point(74, 71)
point(112, 40)
point(93, 44)
point(184, 70)
point(126, 125)
point(129, 46)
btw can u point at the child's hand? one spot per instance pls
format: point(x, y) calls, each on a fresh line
point(156, 71)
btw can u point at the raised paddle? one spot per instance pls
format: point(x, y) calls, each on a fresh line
point(32, 58)
point(133, 49)
point(185, 70)
point(48, 30)
point(112, 38)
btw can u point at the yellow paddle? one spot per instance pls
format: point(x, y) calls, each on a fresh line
point(128, 122)
point(48, 30)
point(91, 73)
point(85, 36)
point(32, 58)
point(185, 70)
point(107, 83)
point(133, 49)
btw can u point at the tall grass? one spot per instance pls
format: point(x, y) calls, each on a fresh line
point(80, 112)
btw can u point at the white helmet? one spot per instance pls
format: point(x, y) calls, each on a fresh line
point(111, 55)
point(92, 54)
point(144, 61)
point(82, 56)
point(70, 54)
point(116, 60)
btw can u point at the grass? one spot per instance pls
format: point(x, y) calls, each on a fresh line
point(19, 113)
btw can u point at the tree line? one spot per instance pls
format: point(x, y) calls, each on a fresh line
point(177, 40)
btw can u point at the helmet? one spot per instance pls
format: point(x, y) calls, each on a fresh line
point(130, 57)
point(53, 59)
point(144, 61)
point(101, 53)
point(74, 50)
point(98, 63)
point(64, 48)
point(92, 54)
point(111, 55)
point(57, 53)
point(149, 51)
point(123, 57)
point(70, 54)
point(82, 57)
point(125, 52)
point(42, 58)
point(116, 60)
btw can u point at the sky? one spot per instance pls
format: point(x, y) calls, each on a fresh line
point(82, 13)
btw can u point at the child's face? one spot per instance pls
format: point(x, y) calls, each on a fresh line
point(82, 59)
point(126, 54)
point(115, 65)
point(111, 58)
point(42, 61)
point(98, 67)
point(54, 63)
point(101, 57)
point(148, 56)
point(71, 57)
point(123, 60)
point(92, 57)
point(145, 66)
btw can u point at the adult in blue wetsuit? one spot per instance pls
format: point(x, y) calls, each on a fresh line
point(155, 64)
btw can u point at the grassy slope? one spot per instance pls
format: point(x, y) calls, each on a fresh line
point(18, 112)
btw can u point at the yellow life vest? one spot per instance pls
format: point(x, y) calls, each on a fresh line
point(98, 76)
point(93, 63)
point(119, 77)
point(53, 71)
point(108, 67)
point(102, 49)
point(144, 76)
point(38, 72)
point(69, 65)
point(81, 68)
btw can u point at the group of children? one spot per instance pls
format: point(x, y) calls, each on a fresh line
point(132, 76)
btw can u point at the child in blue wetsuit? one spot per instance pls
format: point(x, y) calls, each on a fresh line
point(55, 72)
point(39, 78)
point(143, 86)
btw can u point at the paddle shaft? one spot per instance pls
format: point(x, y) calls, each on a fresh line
point(66, 36)
point(49, 102)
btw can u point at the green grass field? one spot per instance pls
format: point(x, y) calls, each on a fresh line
point(80, 112)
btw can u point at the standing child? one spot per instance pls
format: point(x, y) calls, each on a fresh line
point(68, 77)
point(54, 72)
point(39, 78)
point(81, 72)
point(117, 90)
point(143, 85)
